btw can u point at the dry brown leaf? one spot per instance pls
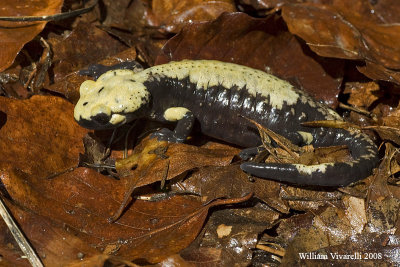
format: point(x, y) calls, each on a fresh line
point(172, 15)
point(234, 183)
point(362, 95)
point(69, 84)
point(86, 44)
point(379, 72)
point(159, 161)
point(263, 44)
point(235, 232)
point(307, 198)
point(203, 256)
point(81, 201)
point(14, 35)
point(346, 29)
point(42, 137)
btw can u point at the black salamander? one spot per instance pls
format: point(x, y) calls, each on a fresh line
point(222, 97)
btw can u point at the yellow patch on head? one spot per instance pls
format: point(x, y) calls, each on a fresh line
point(115, 93)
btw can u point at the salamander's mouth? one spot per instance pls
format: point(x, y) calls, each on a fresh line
point(102, 121)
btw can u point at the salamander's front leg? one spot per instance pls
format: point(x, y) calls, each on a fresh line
point(183, 128)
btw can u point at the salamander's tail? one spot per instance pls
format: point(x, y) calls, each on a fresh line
point(362, 149)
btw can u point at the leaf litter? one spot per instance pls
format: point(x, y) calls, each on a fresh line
point(176, 213)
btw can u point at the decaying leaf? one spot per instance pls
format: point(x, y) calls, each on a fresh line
point(362, 95)
point(224, 230)
point(69, 83)
point(259, 43)
point(14, 35)
point(346, 29)
point(81, 203)
point(173, 15)
point(30, 131)
point(166, 161)
point(379, 72)
point(65, 217)
point(85, 45)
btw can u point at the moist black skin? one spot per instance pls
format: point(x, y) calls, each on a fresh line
point(223, 113)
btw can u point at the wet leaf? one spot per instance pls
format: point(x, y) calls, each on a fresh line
point(85, 45)
point(379, 72)
point(69, 84)
point(265, 4)
point(159, 161)
point(14, 35)
point(81, 201)
point(65, 218)
point(387, 133)
point(30, 131)
point(177, 260)
point(259, 43)
point(362, 95)
point(55, 244)
point(307, 198)
point(173, 15)
point(225, 230)
point(117, 10)
point(203, 256)
point(234, 183)
point(346, 29)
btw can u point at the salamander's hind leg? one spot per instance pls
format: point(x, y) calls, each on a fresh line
point(183, 128)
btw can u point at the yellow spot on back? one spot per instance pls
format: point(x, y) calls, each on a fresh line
point(206, 73)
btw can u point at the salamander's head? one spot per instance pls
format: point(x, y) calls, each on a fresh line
point(114, 99)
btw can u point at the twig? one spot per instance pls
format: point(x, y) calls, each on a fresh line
point(19, 236)
point(55, 17)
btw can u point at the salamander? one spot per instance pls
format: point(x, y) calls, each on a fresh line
point(222, 97)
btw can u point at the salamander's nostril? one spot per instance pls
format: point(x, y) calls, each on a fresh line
point(101, 118)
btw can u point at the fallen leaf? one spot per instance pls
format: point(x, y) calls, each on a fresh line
point(387, 133)
point(345, 29)
point(362, 95)
point(305, 199)
point(14, 35)
point(235, 183)
point(69, 84)
point(266, 4)
point(379, 72)
point(259, 43)
point(56, 245)
point(82, 200)
point(238, 245)
point(86, 44)
point(175, 260)
point(159, 161)
point(42, 138)
point(173, 15)
point(203, 256)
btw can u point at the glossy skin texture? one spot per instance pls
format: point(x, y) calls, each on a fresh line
point(221, 97)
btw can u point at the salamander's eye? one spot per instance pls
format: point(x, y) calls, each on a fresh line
point(101, 119)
